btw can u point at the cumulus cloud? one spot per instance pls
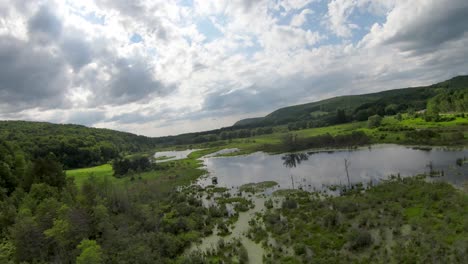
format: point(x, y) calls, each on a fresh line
point(299, 19)
point(30, 76)
point(85, 117)
point(45, 25)
point(206, 63)
point(422, 26)
point(47, 67)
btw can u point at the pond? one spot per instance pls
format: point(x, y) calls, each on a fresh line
point(164, 156)
point(314, 170)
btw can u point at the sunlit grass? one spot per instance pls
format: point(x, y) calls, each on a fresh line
point(80, 175)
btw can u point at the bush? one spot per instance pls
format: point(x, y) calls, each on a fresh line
point(374, 121)
point(125, 166)
point(360, 239)
point(289, 204)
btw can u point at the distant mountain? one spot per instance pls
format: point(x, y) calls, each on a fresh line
point(404, 98)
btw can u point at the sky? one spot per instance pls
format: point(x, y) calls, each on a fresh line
point(166, 67)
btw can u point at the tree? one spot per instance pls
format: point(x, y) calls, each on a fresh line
point(374, 121)
point(28, 238)
point(49, 171)
point(432, 111)
point(362, 115)
point(399, 117)
point(340, 116)
point(391, 109)
point(292, 160)
point(346, 163)
point(91, 252)
point(290, 141)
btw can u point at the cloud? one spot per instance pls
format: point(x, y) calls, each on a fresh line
point(132, 81)
point(422, 26)
point(338, 14)
point(299, 19)
point(289, 5)
point(77, 51)
point(56, 60)
point(79, 61)
point(274, 94)
point(45, 24)
point(86, 117)
point(30, 76)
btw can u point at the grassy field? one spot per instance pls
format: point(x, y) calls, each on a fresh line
point(377, 135)
point(166, 176)
point(80, 175)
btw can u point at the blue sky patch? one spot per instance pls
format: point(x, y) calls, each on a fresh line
point(136, 38)
point(206, 27)
point(95, 19)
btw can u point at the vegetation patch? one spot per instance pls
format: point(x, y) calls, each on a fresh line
point(241, 204)
point(257, 187)
point(398, 221)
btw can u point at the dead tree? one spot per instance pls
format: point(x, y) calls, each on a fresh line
point(346, 163)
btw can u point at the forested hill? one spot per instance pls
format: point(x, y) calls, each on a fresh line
point(74, 146)
point(360, 107)
point(77, 146)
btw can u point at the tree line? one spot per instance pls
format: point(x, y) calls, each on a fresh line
point(73, 146)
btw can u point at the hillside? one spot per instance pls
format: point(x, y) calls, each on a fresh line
point(78, 146)
point(359, 106)
point(74, 146)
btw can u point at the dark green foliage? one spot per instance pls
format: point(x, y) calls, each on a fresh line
point(103, 223)
point(292, 142)
point(340, 116)
point(374, 121)
point(289, 204)
point(226, 133)
point(422, 136)
point(359, 239)
point(74, 146)
point(12, 167)
point(124, 166)
point(49, 171)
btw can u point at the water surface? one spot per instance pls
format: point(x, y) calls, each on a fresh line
point(314, 170)
point(173, 155)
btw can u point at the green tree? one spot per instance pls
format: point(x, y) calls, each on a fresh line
point(374, 121)
point(391, 109)
point(91, 252)
point(432, 111)
point(7, 252)
point(341, 116)
point(28, 239)
point(48, 170)
point(399, 117)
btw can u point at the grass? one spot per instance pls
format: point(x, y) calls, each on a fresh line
point(164, 178)
point(80, 175)
point(378, 136)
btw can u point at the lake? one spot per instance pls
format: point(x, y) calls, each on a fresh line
point(314, 170)
point(164, 156)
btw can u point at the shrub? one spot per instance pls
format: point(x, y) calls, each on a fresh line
point(374, 121)
point(289, 204)
point(360, 239)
